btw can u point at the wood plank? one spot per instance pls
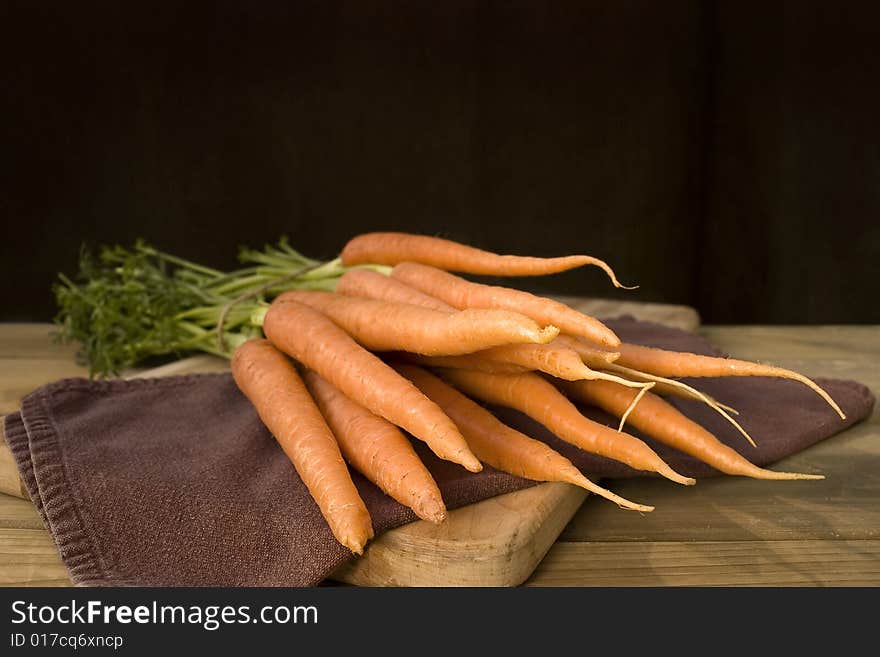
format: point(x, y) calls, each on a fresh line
point(827, 345)
point(18, 514)
point(21, 376)
point(203, 363)
point(10, 482)
point(33, 341)
point(711, 563)
point(28, 557)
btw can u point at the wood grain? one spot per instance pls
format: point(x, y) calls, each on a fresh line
point(28, 557)
point(711, 563)
point(30, 358)
point(19, 514)
point(10, 483)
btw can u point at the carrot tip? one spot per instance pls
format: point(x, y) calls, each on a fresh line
point(610, 272)
point(431, 509)
point(641, 508)
point(725, 407)
point(623, 503)
point(761, 473)
point(471, 465)
point(815, 387)
point(672, 475)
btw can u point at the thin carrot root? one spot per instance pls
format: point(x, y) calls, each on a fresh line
point(636, 399)
point(605, 376)
point(812, 385)
point(729, 409)
point(692, 393)
point(761, 473)
point(669, 473)
point(622, 502)
point(667, 387)
point(610, 272)
point(674, 363)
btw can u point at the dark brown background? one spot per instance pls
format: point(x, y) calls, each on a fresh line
point(721, 154)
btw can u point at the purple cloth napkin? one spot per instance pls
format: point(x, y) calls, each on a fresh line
point(176, 482)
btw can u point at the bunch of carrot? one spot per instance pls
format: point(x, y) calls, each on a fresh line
point(405, 344)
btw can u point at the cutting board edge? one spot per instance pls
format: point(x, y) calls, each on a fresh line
point(507, 560)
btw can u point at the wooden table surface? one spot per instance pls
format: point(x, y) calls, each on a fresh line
point(724, 531)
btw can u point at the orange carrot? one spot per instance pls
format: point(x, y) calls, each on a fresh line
point(669, 387)
point(682, 364)
point(472, 361)
point(378, 450)
point(558, 362)
point(386, 326)
point(660, 420)
point(461, 293)
point(682, 390)
point(373, 285)
point(394, 248)
point(591, 356)
point(504, 360)
point(501, 446)
point(565, 357)
point(316, 342)
point(537, 398)
point(554, 358)
point(270, 381)
point(605, 360)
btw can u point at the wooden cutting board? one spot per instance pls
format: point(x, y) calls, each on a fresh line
point(496, 542)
